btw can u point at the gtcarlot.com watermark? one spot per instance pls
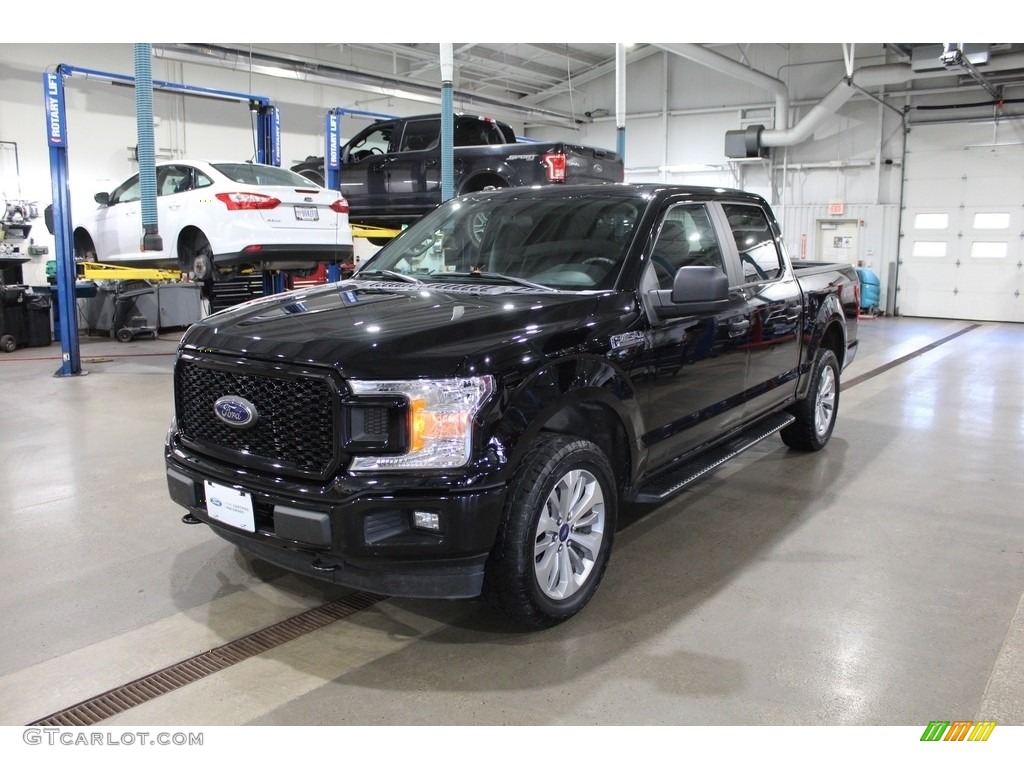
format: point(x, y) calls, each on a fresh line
point(82, 737)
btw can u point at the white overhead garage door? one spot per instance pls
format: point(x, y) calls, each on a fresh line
point(962, 249)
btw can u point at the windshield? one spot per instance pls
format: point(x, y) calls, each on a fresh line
point(263, 175)
point(565, 243)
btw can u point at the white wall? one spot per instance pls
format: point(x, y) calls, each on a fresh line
point(677, 115)
point(102, 126)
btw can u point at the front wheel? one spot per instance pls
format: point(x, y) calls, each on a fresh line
point(556, 535)
point(816, 413)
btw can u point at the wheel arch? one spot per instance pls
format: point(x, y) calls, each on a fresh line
point(185, 245)
point(829, 332)
point(80, 239)
point(584, 398)
point(480, 180)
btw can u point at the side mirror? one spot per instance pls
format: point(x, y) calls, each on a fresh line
point(103, 198)
point(694, 290)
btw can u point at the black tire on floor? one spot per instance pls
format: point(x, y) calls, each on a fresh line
point(556, 535)
point(816, 414)
point(8, 343)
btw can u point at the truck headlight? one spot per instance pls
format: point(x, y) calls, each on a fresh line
point(439, 432)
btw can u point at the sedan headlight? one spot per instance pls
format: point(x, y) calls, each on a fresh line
point(439, 431)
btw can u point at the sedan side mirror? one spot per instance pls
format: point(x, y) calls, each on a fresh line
point(103, 198)
point(694, 290)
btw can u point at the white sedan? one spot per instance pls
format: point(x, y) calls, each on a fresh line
point(218, 218)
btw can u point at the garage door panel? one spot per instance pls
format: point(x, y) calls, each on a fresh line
point(961, 254)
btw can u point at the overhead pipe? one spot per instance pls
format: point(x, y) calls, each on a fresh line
point(861, 80)
point(733, 68)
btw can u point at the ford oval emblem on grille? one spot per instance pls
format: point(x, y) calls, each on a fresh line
point(236, 411)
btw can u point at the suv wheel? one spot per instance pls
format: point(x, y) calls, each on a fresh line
point(556, 535)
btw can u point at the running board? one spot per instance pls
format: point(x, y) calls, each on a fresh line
point(665, 486)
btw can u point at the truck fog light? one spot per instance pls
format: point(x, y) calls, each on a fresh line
point(428, 521)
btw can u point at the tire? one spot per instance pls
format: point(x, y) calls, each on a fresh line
point(124, 335)
point(8, 343)
point(816, 413)
point(556, 534)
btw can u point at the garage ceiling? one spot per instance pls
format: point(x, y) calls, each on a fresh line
point(505, 78)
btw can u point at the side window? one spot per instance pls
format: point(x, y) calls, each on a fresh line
point(374, 142)
point(127, 192)
point(755, 242)
point(686, 238)
point(202, 180)
point(420, 135)
point(172, 179)
point(471, 132)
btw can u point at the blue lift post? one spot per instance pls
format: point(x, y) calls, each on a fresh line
point(268, 151)
point(332, 158)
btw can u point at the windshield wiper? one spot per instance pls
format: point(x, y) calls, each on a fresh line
point(497, 276)
point(390, 273)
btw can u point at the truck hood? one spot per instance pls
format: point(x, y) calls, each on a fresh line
point(390, 330)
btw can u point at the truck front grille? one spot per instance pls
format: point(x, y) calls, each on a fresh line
point(294, 432)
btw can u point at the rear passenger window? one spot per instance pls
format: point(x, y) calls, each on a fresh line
point(755, 242)
point(685, 239)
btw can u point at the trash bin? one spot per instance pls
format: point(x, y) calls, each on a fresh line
point(38, 332)
point(12, 317)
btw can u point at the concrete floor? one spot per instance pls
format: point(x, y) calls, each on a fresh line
point(876, 583)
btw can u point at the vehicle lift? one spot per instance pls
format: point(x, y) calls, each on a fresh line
point(268, 150)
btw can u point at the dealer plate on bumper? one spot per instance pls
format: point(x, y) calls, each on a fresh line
point(229, 506)
point(307, 213)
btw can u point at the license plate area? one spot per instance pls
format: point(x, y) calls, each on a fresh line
point(229, 506)
point(307, 213)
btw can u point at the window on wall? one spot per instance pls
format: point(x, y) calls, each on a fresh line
point(931, 221)
point(991, 221)
point(755, 242)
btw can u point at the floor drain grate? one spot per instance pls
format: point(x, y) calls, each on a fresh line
point(178, 675)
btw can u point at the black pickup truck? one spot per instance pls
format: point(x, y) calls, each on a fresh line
point(391, 171)
point(467, 413)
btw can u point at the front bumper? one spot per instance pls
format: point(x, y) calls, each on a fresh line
point(365, 541)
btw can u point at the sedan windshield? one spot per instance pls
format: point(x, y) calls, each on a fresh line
point(566, 243)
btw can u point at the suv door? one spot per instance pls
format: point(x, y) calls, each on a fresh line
point(365, 166)
point(775, 305)
point(696, 364)
point(414, 171)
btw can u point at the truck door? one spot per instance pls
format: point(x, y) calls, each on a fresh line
point(774, 303)
point(414, 171)
point(365, 166)
point(696, 364)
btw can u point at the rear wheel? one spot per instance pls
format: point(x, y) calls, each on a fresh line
point(816, 413)
point(557, 532)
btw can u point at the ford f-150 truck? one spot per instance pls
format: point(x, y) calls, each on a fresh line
point(391, 171)
point(466, 415)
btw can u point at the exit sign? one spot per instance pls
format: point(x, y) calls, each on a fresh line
point(836, 209)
